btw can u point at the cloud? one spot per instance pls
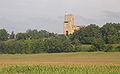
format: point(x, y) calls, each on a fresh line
point(80, 20)
point(105, 17)
point(113, 16)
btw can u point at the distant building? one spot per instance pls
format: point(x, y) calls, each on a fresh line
point(69, 27)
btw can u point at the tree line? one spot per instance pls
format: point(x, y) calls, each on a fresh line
point(89, 39)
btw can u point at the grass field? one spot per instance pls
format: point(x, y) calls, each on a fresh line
point(61, 63)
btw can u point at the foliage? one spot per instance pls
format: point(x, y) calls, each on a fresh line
point(88, 34)
point(58, 44)
point(3, 35)
point(58, 69)
point(21, 36)
point(98, 45)
point(108, 48)
point(33, 34)
point(118, 48)
point(88, 39)
point(111, 33)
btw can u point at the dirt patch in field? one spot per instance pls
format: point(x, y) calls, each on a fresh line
point(99, 58)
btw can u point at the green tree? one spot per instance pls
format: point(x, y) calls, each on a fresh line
point(59, 43)
point(33, 34)
point(37, 46)
point(111, 33)
point(22, 36)
point(53, 44)
point(108, 48)
point(98, 45)
point(44, 33)
point(3, 35)
point(88, 34)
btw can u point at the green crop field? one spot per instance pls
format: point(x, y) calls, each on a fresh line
point(61, 63)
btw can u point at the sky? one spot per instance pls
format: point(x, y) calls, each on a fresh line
point(21, 15)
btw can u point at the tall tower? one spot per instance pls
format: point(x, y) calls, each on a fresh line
point(68, 24)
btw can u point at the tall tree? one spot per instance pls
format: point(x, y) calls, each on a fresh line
point(110, 33)
point(3, 34)
point(88, 34)
point(33, 34)
point(22, 36)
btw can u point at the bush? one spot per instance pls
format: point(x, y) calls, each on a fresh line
point(108, 48)
point(98, 44)
point(118, 48)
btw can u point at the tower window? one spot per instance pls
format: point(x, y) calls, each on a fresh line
point(65, 21)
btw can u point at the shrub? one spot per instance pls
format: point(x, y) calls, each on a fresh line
point(108, 48)
point(118, 48)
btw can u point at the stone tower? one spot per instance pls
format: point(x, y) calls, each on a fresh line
point(68, 24)
point(69, 27)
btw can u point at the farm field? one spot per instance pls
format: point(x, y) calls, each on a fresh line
point(61, 63)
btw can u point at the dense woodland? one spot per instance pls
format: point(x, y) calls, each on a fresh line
point(88, 39)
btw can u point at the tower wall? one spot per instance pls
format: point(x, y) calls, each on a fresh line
point(68, 24)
